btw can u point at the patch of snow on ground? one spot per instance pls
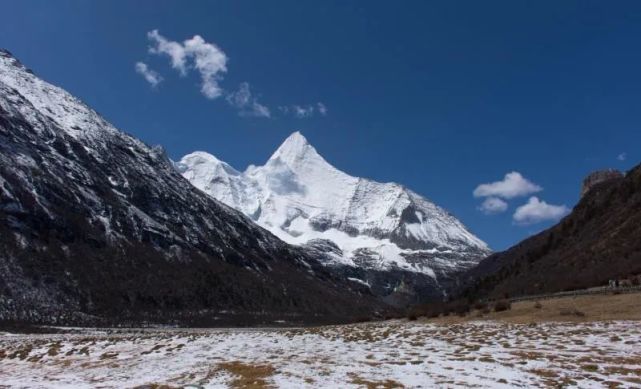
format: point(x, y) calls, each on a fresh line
point(412, 354)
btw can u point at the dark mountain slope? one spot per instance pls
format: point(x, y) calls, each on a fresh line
point(600, 240)
point(96, 227)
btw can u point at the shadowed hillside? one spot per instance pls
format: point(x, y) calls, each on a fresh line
point(600, 240)
point(98, 228)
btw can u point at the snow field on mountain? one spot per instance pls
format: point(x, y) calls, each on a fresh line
point(298, 196)
point(396, 354)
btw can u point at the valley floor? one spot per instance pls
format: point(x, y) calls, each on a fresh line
point(370, 355)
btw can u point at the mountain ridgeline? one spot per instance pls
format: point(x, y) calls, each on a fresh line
point(98, 228)
point(383, 235)
point(599, 241)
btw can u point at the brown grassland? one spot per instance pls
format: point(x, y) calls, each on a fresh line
point(575, 309)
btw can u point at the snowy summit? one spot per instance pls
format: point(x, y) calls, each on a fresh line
point(355, 222)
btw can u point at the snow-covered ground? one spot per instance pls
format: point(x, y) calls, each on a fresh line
point(385, 355)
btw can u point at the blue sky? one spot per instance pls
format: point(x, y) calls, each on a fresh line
point(439, 96)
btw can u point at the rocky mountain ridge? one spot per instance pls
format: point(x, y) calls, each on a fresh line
point(96, 227)
point(597, 242)
point(364, 228)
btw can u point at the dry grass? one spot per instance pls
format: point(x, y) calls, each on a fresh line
point(553, 379)
point(369, 384)
point(21, 353)
point(54, 349)
point(592, 308)
point(108, 355)
point(554, 354)
point(248, 376)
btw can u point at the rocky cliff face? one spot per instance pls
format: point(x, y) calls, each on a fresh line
point(96, 227)
point(382, 235)
point(598, 177)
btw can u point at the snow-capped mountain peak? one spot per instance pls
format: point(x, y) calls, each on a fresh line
point(211, 162)
point(295, 147)
point(68, 112)
point(299, 155)
point(302, 199)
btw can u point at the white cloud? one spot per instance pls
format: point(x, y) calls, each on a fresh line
point(151, 76)
point(304, 111)
point(622, 156)
point(535, 211)
point(211, 63)
point(209, 60)
point(174, 50)
point(512, 185)
point(258, 110)
point(241, 97)
point(246, 104)
point(493, 205)
point(322, 109)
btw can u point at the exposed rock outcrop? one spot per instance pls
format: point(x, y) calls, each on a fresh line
point(599, 177)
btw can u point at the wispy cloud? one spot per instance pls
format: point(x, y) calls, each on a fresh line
point(536, 211)
point(322, 109)
point(151, 76)
point(493, 205)
point(207, 58)
point(247, 104)
point(513, 185)
point(622, 156)
point(211, 63)
point(304, 111)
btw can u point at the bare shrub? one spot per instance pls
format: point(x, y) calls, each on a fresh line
point(432, 314)
point(457, 307)
point(480, 306)
point(460, 308)
point(424, 310)
point(502, 305)
point(362, 319)
point(571, 312)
